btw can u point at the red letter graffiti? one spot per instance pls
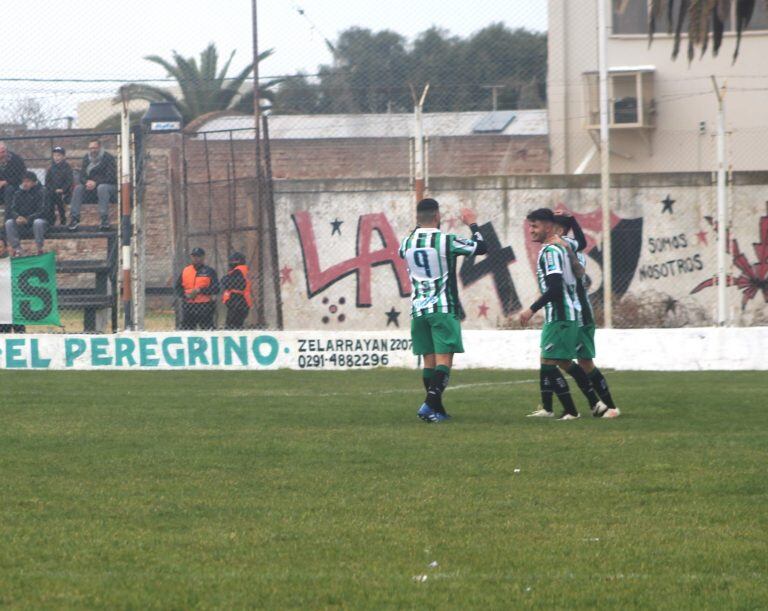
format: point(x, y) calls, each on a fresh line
point(318, 279)
point(627, 237)
point(754, 277)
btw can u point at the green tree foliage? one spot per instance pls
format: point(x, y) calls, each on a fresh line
point(373, 72)
point(200, 87)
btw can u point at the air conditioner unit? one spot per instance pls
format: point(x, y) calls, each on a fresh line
point(630, 95)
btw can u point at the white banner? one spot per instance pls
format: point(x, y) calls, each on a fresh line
point(688, 349)
point(207, 350)
point(6, 301)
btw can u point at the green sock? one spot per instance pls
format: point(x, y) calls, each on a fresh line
point(427, 374)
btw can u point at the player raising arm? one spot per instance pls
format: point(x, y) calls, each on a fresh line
point(435, 328)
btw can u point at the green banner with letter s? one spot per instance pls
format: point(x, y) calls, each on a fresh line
point(33, 290)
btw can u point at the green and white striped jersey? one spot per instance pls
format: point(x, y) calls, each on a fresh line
point(554, 260)
point(587, 313)
point(431, 258)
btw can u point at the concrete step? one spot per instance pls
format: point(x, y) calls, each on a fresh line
point(83, 266)
point(83, 232)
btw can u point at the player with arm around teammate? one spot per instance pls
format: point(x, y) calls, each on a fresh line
point(585, 348)
point(573, 272)
point(435, 327)
point(560, 333)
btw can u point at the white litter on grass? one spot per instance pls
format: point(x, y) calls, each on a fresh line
point(528, 589)
point(517, 470)
point(591, 539)
point(420, 578)
point(433, 564)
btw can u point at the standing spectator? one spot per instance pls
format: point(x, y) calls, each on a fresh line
point(12, 170)
point(59, 182)
point(98, 183)
point(26, 214)
point(197, 285)
point(237, 291)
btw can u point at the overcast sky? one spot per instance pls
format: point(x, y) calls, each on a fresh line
point(107, 38)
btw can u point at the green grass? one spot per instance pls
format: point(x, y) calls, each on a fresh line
point(295, 489)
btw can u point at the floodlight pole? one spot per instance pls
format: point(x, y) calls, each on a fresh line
point(722, 210)
point(605, 166)
point(125, 208)
point(255, 212)
point(419, 181)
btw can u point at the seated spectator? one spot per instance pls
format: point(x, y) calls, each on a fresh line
point(12, 170)
point(59, 182)
point(26, 215)
point(98, 183)
point(237, 291)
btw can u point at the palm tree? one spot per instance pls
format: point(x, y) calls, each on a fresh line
point(204, 88)
point(704, 17)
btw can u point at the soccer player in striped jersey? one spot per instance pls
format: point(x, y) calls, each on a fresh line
point(560, 333)
point(435, 309)
point(585, 348)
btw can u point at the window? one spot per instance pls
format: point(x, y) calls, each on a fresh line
point(631, 17)
point(759, 18)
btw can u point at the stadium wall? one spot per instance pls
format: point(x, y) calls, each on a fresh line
point(690, 349)
point(340, 269)
point(663, 226)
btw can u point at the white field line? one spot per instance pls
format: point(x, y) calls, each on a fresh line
point(478, 384)
point(390, 391)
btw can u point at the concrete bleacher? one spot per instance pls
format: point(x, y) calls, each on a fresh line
point(86, 268)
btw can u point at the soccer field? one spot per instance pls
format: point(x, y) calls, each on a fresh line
point(296, 489)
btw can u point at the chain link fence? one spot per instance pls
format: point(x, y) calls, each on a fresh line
point(501, 117)
point(47, 175)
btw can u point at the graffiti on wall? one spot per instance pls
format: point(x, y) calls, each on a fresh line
point(626, 240)
point(752, 278)
point(496, 265)
point(361, 264)
point(339, 266)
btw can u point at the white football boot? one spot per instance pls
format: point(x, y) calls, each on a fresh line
point(599, 410)
point(569, 417)
point(540, 413)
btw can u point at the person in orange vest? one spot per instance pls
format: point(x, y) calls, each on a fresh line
point(197, 286)
point(237, 291)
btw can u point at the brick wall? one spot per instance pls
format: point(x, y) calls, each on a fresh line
point(160, 229)
point(35, 146)
point(220, 185)
point(488, 156)
point(371, 157)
